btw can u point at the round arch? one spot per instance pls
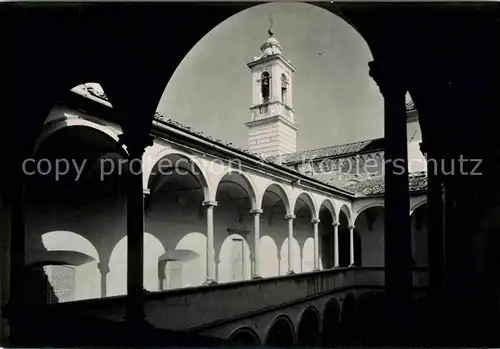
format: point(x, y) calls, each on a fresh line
point(365, 208)
point(245, 336)
point(278, 190)
point(228, 269)
point(328, 204)
point(332, 9)
point(369, 236)
point(242, 180)
point(97, 166)
point(369, 310)
point(74, 121)
point(418, 204)
point(196, 169)
point(281, 332)
point(308, 332)
point(62, 240)
point(117, 276)
point(308, 199)
point(347, 318)
point(86, 276)
point(331, 323)
point(347, 212)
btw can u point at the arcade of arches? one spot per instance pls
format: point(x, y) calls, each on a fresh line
point(81, 224)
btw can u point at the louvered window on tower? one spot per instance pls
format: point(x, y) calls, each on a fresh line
point(266, 86)
point(284, 89)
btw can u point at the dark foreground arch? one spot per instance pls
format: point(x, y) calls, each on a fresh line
point(281, 333)
point(308, 333)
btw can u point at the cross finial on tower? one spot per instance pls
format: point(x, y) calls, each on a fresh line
point(271, 22)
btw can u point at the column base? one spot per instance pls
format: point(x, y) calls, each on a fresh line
point(257, 277)
point(210, 283)
point(336, 266)
point(352, 265)
point(316, 269)
point(290, 272)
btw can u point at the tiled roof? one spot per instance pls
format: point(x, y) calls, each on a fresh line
point(340, 150)
point(374, 186)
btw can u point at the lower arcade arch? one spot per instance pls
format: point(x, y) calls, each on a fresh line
point(281, 333)
point(308, 333)
point(369, 320)
point(244, 336)
point(331, 325)
point(347, 319)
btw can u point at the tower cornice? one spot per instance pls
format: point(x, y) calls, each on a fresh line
point(270, 120)
point(270, 58)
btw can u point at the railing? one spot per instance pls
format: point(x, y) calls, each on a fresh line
point(193, 307)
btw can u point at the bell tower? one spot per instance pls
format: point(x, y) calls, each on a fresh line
point(271, 128)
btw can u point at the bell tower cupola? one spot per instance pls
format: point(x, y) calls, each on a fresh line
point(271, 128)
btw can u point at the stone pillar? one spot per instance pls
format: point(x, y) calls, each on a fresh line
point(104, 271)
point(5, 229)
point(351, 245)
point(16, 304)
point(315, 223)
point(210, 242)
point(397, 238)
point(256, 242)
point(435, 226)
point(336, 263)
point(290, 219)
point(135, 234)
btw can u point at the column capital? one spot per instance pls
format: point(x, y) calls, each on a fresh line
point(335, 224)
point(290, 216)
point(210, 203)
point(315, 221)
point(387, 77)
point(351, 226)
point(103, 268)
point(256, 211)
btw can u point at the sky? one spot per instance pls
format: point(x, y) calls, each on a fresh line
point(334, 98)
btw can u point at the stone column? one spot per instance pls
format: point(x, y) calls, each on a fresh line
point(5, 229)
point(351, 245)
point(210, 242)
point(315, 223)
point(16, 305)
point(290, 219)
point(161, 274)
point(435, 226)
point(336, 263)
point(256, 242)
point(135, 234)
point(397, 238)
point(104, 271)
